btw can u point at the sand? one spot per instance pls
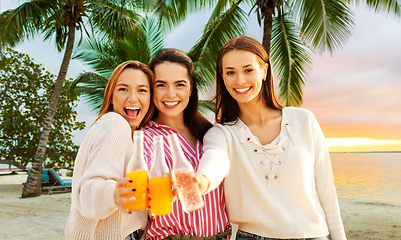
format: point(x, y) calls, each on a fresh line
point(45, 217)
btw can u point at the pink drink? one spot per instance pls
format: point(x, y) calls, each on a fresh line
point(188, 190)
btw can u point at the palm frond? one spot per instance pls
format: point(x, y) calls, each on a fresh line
point(104, 54)
point(172, 12)
point(91, 86)
point(117, 21)
point(98, 53)
point(382, 6)
point(25, 21)
point(154, 35)
point(206, 106)
point(326, 25)
point(204, 54)
point(290, 58)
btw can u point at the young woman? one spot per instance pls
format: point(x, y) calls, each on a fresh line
point(278, 180)
point(176, 99)
point(103, 155)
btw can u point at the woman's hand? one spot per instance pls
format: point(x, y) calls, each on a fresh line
point(203, 183)
point(174, 191)
point(120, 194)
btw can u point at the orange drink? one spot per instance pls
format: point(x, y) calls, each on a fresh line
point(140, 183)
point(160, 190)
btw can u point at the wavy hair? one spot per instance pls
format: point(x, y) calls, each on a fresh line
point(107, 105)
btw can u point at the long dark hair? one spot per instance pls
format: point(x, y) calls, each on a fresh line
point(107, 105)
point(227, 109)
point(197, 124)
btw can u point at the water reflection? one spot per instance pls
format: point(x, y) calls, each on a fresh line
point(368, 175)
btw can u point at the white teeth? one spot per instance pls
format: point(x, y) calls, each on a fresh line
point(132, 108)
point(170, 104)
point(241, 90)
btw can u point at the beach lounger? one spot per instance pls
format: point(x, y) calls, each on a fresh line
point(44, 177)
point(58, 185)
point(52, 183)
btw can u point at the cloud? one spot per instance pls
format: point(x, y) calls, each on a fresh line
point(360, 83)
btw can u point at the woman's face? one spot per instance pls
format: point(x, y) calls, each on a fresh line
point(172, 89)
point(131, 96)
point(243, 75)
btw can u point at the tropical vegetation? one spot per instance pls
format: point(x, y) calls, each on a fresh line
point(60, 20)
point(24, 106)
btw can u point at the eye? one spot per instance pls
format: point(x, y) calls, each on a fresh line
point(160, 85)
point(122, 89)
point(181, 85)
point(143, 90)
point(230, 73)
point(248, 70)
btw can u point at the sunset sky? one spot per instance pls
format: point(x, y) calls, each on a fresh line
point(355, 94)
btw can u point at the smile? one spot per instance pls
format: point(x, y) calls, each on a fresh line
point(132, 112)
point(242, 90)
point(171, 104)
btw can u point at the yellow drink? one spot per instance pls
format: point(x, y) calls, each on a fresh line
point(140, 183)
point(160, 190)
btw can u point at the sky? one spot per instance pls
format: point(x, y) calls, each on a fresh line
point(355, 93)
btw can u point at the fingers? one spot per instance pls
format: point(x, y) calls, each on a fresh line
point(174, 194)
point(203, 183)
point(120, 194)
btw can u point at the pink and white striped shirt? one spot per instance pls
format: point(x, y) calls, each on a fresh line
point(205, 222)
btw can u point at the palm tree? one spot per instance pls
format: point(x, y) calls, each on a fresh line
point(104, 57)
point(61, 19)
point(291, 30)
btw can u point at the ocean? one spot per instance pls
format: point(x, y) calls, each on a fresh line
point(375, 176)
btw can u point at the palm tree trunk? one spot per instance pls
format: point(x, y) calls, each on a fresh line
point(33, 186)
point(267, 25)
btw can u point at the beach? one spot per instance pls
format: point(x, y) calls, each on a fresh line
point(44, 217)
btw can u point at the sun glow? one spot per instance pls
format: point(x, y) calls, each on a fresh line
point(362, 145)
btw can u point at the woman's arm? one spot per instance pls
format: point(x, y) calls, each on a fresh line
point(214, 164)
point(105, 164)
point(325, 184)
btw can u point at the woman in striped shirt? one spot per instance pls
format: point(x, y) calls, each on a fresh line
point(176, 99)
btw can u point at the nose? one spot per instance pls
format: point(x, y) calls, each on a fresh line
point(240, 79)
point(132, 97)
point(171, 92)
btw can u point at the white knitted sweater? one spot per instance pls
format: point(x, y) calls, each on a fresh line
point(101, 160)
point(280, 190)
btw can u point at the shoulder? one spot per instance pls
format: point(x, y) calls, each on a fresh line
point(110, 123)
point(226, 130)
point(297, 114)
point(298, 111)
point(111, 118)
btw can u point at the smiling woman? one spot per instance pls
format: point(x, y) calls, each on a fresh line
point(362, 145)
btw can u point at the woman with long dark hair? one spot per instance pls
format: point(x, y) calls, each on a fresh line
point(175, 96)
point(278, 179)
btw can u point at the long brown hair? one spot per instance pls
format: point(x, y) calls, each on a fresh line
point(107, 105)
point(197, 124)
point(227, 109)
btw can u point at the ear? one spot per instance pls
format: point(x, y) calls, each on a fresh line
point(265, 67)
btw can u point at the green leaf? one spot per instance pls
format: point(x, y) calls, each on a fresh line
point(380, 6)
point(92, 87)
point(325, 25)
point(204, 54)
point(290, 58)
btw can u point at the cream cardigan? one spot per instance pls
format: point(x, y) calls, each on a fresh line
point(280, 190)
point(101, 160)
